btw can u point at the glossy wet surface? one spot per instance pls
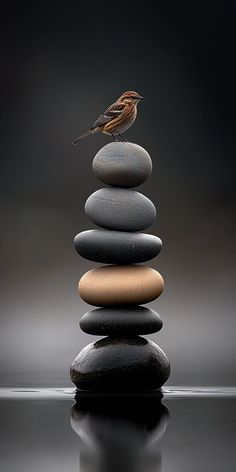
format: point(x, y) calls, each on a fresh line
point(189, 430)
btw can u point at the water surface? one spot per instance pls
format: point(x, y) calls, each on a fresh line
point(188, 430)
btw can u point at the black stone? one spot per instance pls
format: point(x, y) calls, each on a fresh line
point(122, 164)
point(117, 247)
point(120, 209)
point(121, 321)
point(120, 364)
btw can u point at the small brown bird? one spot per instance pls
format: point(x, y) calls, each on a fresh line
point(117, 118)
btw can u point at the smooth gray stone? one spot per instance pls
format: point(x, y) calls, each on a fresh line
point(117, 247)
point(120, 209)
point(121, 321)
point(120, 364)
point(122, 164)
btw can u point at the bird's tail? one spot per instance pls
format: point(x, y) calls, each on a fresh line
point(82, 136)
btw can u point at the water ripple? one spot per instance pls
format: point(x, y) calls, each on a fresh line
point(69, 393)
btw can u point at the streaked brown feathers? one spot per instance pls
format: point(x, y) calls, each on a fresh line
point(117, 118)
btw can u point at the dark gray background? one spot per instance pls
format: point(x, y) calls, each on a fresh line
point(62, 65)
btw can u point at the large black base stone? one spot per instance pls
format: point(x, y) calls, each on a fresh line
point(124, 321)
point(120, 364)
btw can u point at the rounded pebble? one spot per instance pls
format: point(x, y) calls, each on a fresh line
point(122, 164)
point(120, 209)
point(112, 364)
point(121, 321)
point(117, 247)
point(120, 285)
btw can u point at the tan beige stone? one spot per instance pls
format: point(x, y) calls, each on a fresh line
point(117, 285)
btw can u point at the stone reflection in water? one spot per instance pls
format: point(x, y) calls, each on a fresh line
point(119, 433)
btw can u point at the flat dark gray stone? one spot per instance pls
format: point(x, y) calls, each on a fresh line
point(122, 164)
point(120, 364)
point(117, 247)
point(120, 209)
point(121, 321)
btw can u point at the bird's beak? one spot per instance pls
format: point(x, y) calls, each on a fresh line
point(140, 97)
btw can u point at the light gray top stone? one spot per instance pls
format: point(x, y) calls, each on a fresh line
point(122, 164)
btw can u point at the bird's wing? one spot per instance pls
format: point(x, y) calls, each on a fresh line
point(112, 112)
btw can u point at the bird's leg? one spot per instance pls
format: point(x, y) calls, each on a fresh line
point(122, 137)
point(114, 137)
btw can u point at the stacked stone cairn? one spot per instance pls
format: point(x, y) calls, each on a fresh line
point(122, 360)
